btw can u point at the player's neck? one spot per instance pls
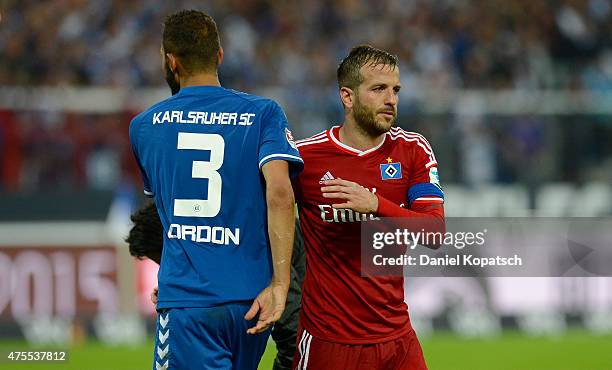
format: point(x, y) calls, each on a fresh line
point(352, 135)
point(201, 79)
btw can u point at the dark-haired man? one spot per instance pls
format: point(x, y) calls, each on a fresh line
point(356, 172)
point(146, 237)
point(218, 163)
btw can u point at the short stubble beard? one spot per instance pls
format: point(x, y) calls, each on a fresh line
point(366, 120)
point(174, 85)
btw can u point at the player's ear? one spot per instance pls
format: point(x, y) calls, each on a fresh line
point(219, 56)
point(347, 96)
point(172, 62)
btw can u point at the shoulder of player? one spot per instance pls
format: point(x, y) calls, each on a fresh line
point(313, 142)
point(145, 115)
point(409, 139)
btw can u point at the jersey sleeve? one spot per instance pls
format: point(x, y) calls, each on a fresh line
point(277, 141)
point(133, 141)
point(424, 183)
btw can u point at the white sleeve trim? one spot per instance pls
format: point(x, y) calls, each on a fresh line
point(436, 199)
point(278, 155)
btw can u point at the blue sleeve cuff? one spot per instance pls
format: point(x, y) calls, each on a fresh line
point(296, 164)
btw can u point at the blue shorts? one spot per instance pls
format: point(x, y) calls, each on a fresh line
point(207, 338)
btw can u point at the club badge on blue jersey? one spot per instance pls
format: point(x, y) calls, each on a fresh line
point(391, 170)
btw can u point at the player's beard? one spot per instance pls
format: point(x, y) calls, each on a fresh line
point(174, 85)
point(366, 120)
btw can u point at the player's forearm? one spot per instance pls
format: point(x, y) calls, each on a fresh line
point(281, 228)
point(387, 208)
point(427, 216)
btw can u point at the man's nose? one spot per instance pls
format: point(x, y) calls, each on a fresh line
point(391, 98)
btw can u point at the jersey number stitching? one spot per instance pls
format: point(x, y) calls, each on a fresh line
point(203, 170)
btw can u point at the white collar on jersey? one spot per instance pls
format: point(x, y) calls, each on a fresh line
point(351, 149)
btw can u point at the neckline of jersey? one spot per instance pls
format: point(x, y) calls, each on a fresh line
point(348, 149)
point(189, 89)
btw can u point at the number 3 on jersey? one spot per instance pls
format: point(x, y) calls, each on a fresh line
point(203, 170)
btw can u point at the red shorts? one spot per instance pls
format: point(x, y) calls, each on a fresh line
point(403, 353)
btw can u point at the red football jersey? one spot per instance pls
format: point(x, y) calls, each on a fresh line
point(338, 304)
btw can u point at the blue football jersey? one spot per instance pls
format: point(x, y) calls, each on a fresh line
point(200, 153)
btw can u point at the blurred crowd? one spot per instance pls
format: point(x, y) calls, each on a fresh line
point(60, 151)
point(454, 43)
point(289, 50)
